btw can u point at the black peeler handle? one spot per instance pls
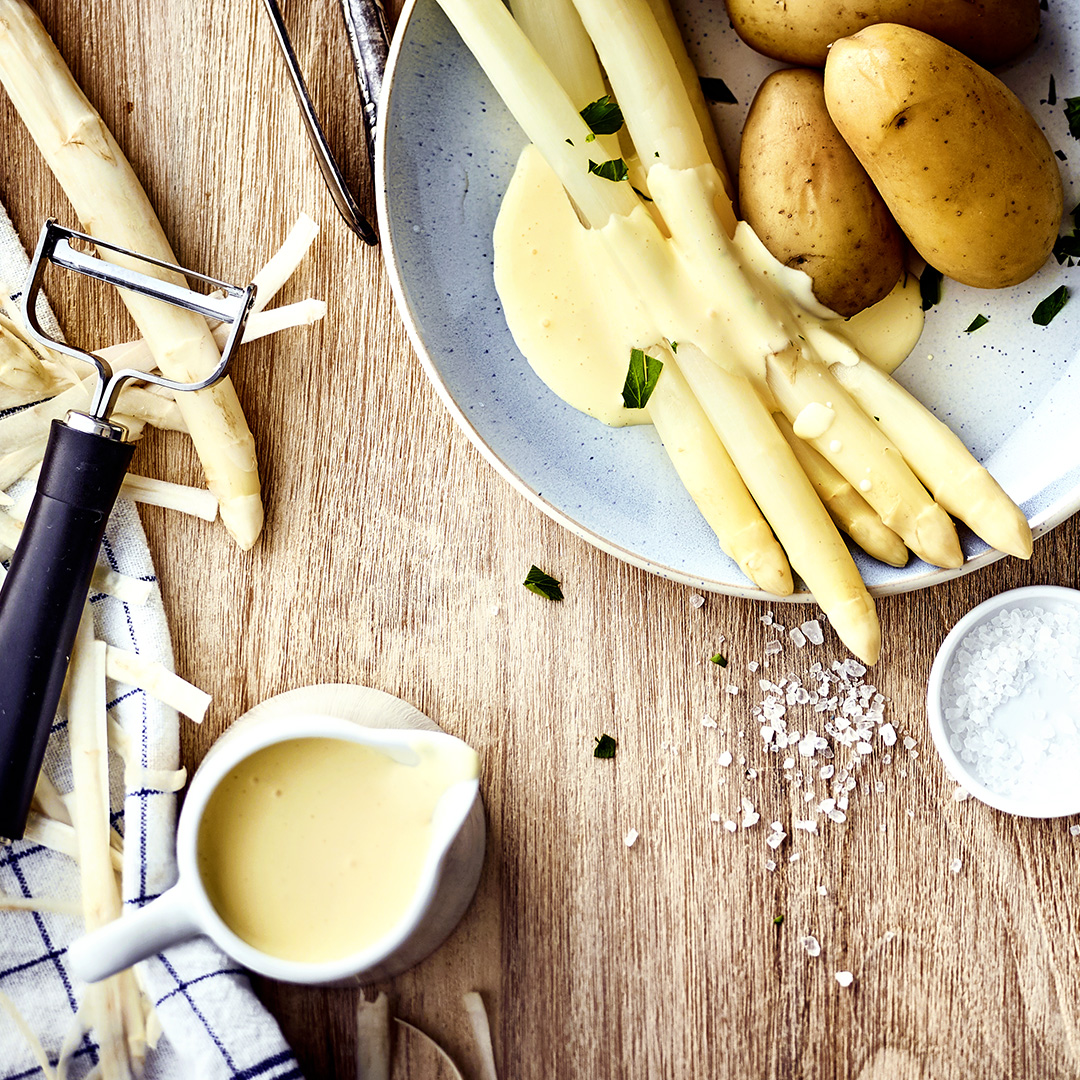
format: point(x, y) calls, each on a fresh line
point(42, 598)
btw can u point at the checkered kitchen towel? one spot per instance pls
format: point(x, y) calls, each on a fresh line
point(214, 1027)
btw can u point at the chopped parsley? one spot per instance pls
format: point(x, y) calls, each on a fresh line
point(930, 287)
point(778, 921)
point(1067, 247)
point(674, 346)
point(605, 747)
point(1050, 306)
point(976, 323)
point(1072, 114)
point(603, 116)
point(542, 584)
point(614, 170)
point(716, 90)
point(719, 659)
point(640, 194)
point(641, 377)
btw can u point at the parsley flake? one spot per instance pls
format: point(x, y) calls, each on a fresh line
point(976, 323)
point(603, 116)
point(1067, 247)
point(542, 584)
point(641, 379)
point(614, 170)
point(778, 921)
point(1051, 305)
point(930, 287)
point(1072, 114)
point(716, 90)
point(719, 659)
point(640, 194)
point(605, 747)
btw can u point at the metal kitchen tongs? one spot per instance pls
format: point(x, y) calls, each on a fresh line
point(42, 598)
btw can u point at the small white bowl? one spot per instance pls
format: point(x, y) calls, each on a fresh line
point(1054, 801)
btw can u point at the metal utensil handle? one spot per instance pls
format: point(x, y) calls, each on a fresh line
point(42, 599)
point(365, 23)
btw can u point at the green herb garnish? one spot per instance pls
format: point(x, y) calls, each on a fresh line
point(615, 169)
point(542, 584)
point(976, 323)
point(719, 659)
point(778, 921)
point(603, 116)
point(1049, 307)
point(674, 346)
point(1051, 96)
point(1067, 247)
point(930, 287)
point(1072, 114)
point(641, 379)
point(605, 747)
point(640, 194)
point(716, 90)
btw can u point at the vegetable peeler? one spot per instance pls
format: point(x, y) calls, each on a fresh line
point(43, 596)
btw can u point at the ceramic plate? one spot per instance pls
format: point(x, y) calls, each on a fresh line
point(447, 150)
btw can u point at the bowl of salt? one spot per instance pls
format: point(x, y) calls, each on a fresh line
point(1003, 701)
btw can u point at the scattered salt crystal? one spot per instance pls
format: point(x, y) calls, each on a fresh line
point(913, 754)
point(770, 865)
point(961, 794)
point(909, 743)
point(888, 734)
point(750, 818)
point(715, 815)
point(766, 619)
point(811, 945)
point(697, 600)
point(822, 891)
point(772, 647)
point(955, 866)
point(730, 826)
point(807, 826)
point(879, 786)
point(845, 978)
point(707, 721)
point(826, 772)
point(826, 806)
point(809, 796)
point(838, 816)
point(753, 666)
point(631, 837)
point(742, 760)
point(494, 609)
point(776, 826)
point(911, 813)
point(864, 748)
point(1074, 830)
point(775, 839)
point(798, 637)
point(725, 758)
point(813, 632)
point(789, 763)
point(731, 689)
point(795, 856)
point(889, 935)
point(751, 774)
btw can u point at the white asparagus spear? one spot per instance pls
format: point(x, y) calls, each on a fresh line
point(112, 204)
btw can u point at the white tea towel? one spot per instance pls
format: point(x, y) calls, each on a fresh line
point(214, 1027)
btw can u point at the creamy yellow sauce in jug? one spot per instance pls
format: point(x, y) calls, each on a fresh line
point(312, 849)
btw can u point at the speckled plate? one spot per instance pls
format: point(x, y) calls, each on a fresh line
point(447, 150)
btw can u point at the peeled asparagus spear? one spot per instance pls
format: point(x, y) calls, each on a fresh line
point(112, 204)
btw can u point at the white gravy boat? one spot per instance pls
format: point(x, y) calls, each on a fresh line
point(448, 880)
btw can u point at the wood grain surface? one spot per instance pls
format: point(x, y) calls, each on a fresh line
point(393, 557)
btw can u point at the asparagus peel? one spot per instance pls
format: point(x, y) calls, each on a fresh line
point(110, 202)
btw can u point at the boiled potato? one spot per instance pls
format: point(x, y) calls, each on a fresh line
point(810, 201)
point(801, 31)
point(963, 167)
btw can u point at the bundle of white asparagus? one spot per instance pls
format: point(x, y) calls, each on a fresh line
point(728, 402)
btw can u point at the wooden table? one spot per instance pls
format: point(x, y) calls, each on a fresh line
point(393, 557)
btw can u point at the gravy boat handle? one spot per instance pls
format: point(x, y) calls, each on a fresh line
point(133, 937)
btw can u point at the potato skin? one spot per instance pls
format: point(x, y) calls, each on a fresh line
point(960, 162)
point(810, 201)
point(801, 31)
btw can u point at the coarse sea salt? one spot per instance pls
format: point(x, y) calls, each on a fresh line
point(1011, 700)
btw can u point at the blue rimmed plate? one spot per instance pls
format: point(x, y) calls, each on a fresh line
point(447, 150)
